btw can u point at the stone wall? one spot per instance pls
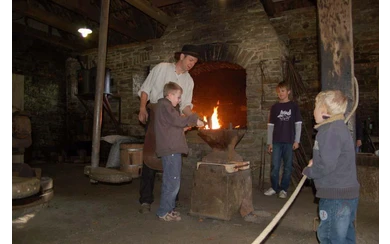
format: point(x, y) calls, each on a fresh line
point(43, 66)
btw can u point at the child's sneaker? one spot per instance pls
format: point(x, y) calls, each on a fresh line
point(251, 218)
point(171, 216)
point(282, 194)
point(270, 192)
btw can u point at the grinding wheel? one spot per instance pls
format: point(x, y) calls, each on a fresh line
point(107, 175)
point(24, 186)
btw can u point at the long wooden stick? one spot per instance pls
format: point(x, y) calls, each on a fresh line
point(276, 219)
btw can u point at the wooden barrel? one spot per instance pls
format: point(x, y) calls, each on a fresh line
point(131, 158)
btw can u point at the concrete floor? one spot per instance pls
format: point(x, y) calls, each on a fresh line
point(81, 212)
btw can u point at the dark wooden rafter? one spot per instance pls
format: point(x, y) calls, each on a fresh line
point(49, 19)
point(199, 2)
point(151, 11)
point(92, 12)
point(276, 7)
point(135, 18)
point(43, 16)
point(44, 36)
point(162, 3)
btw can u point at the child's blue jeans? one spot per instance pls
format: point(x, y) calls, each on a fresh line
point(170, 183)
point(337, 216)
point(281, 151)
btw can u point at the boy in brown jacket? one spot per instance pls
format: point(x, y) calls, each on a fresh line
point(170, 144)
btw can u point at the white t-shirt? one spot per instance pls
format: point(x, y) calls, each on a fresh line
point(163, 73)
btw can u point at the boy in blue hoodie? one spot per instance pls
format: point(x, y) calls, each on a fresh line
point(333, 169)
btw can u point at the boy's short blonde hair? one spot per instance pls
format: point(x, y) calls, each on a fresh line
point(171, 87)
point(334, 101)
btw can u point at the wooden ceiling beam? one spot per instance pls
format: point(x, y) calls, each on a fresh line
point(93, 13)
point(47, 18)
point(44, 36)
point(43, 16)
point(151, 11)
point(198, 2)
point(162, 3)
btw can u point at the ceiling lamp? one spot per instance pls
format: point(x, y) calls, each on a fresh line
point(85, 31)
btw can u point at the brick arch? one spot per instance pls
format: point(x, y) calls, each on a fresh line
point(212, 66)
point(224, 52)
point(221, 56)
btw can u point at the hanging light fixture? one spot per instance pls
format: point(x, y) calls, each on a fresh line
point(85, 32)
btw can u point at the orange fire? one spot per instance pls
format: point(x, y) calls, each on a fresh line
point(214, 119)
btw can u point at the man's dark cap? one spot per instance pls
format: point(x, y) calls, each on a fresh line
point(192, 50)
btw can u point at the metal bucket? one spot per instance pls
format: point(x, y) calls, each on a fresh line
point(87, 81)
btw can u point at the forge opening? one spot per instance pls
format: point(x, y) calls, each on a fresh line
point(220, 85)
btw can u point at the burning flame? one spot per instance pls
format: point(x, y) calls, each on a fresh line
point(214, 119)
point(206, 127)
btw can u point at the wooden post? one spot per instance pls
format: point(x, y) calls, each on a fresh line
point(101, 68)
point(336, 49)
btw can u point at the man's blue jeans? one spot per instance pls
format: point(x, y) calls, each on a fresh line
point(279, 151)
point(170, 183)
point(337, 216)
